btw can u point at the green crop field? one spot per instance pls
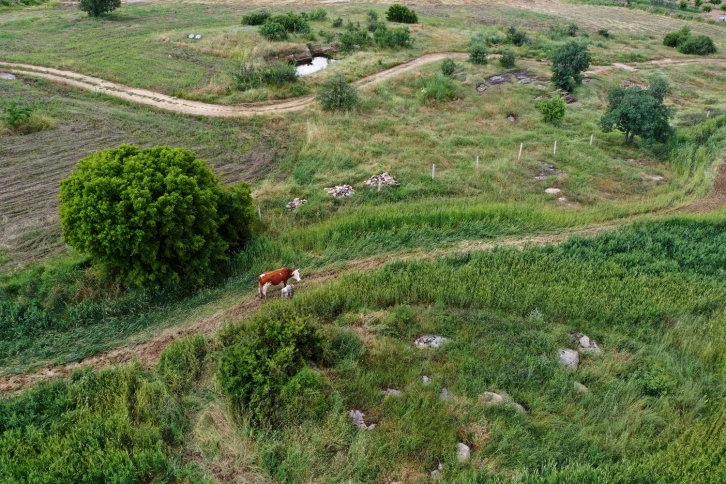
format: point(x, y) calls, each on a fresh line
point(509, 240)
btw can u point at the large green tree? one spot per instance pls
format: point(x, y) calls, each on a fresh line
point(639, 112)
point(568, 64)
point(153, 217)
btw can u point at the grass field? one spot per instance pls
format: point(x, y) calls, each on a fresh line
point(217, 386)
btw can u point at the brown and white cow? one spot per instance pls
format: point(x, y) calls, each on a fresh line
point(274, 278)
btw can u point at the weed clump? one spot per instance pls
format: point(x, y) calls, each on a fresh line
point(337, 94)
point(448, 67)
point(392, 38)
point(255, 18)
point(180, 364)
point(273, 31)
point(22, 119)
point(517, 37)
point(507, 60)
point(438, 88)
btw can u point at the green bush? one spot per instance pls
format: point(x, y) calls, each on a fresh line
point(552, 110)
point(392, 38)
point(698, 3)
point(153, 217)
point(273, 31)
point(357, 39)
point(337, 23)
point(401, 14)
point(438, 88)
point(507, 60)
point(306, 396)
point(478, 54)
point(723, 7)
point(291, 22)
point(517, 37)
point(255, 18)
point(279, 73)
point(16, 114)
point(572, 30)
point(96, 8)
point(373, 23)
point(604, 33)
point(715, 2)
point(568, 64)
point(674, 38)
point(247, 77)
point(316, 15)
point(448, 67)
point(261, 359)
point(336, 94)
point(707, 8)
point(697, 45)
point(683, 4)
point(180, 364)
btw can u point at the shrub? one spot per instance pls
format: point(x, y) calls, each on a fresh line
point(96, 8)
point(247, 77)
point(153, 217)
point(273, 31)
point(279, 73)
point(478, 54)
point(683, 5)
point(552, 110)
point(353, 40)
point(306, 396)
point(373, 24)
point(517, 37)
point(698, 3)
point(572, 30)
point(392, 38)
point(715, 2)
point(674, 38)
point(438, 88)
point(337, 95)
point(399, 13)
point(316, 15)
point(448, 67)
point(291, 22)
point(723, 7)
point(338, 22)
point(263, 358)
point(568, 64)
point(17, 114)
point(707, 8)
point(180, 364)
point(255, 18)
point(507, 60)
point(604, 33)
point(697, 45)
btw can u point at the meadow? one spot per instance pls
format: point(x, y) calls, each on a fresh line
point(153, 385)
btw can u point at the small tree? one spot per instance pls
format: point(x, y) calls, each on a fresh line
point(401, 14)
point(697, 45)
point(478, 53)
point(638, 112)
point(153, 217)
point(337, 95)
point(552, 110)
point(372, 16)
point(517, 37)
point(448, 67)
point(507, 60)
point(96, 8)
point(568, 64)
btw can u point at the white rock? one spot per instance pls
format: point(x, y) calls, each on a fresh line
point(553, 191)
point(519, 407)
point(358, 419)
point(197, 36)
point(569, 359)
point(430, 341)
point(392, 392)
point(436, 474)
point(493, 398)
point(588, 345)
point(7, 76)
point(463, 452)
point(426, 380)
point(580, 387)
point(444, 393)
point(191, 36)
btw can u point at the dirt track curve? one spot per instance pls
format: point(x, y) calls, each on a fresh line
point(170, 103)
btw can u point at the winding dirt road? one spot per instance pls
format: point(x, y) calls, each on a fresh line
point(170, 103)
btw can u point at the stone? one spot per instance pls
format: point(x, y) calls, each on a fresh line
point(519, 407)
point(547, 170)
point(358, 419)
point(562, 200)
point(444, 393)
point(391, 391)
point(341, 191)
point(430, 341)
point(436, 473)
point(493, 398)
point(553, 191)
point(7, 76)
point(463, 452)
point(579, 387)
point(384, 178)
point(426, 380)
point(291, 206)
point(197, 37)
point(587, 345)
point(569, 359)
point(191, 36)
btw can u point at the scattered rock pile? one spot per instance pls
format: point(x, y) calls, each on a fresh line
point(358, 419)
point(430, 341)
point(522, 77)
point(586, 344)
point(384, 178)
point(295, 203)
point(341, 191)
point(196, 37)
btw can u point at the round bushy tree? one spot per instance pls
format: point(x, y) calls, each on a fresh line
point(153, 217)
point(568, 64)
point(639, 112)
point(399, 13)
point(478, 53)
point(337, 95)
point(96, 8)
point(697, 45)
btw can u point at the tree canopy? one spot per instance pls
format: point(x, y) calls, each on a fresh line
point(153, 217)
point(96, 8)
point(639, 112)
point(568, 64)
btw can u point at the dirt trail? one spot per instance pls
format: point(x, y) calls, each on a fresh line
point(147, 353)
point(170, 103)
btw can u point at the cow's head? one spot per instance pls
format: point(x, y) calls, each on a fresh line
point(296, 275)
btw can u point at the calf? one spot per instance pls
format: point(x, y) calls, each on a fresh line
point(274, 278)
point(288, 291)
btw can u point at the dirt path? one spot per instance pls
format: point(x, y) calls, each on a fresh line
point(170, 103)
